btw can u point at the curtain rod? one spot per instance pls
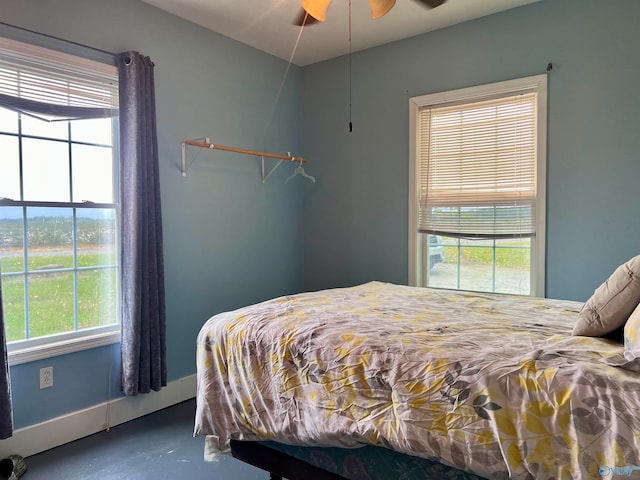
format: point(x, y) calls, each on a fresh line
point(55, 43)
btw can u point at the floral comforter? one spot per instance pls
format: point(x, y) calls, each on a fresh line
point(491, 384)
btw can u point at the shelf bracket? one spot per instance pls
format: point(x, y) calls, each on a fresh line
point(264, 177)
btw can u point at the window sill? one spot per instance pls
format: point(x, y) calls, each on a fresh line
point(31, 352)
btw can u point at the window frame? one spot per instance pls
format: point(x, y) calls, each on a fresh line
point(469, 94)
point(29, 350)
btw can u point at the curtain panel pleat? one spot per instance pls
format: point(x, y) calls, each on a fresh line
point(143, 298)
point(6, 410)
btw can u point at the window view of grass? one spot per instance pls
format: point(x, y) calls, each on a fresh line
point(482, 265)
point(511, 254)
point(64, 292)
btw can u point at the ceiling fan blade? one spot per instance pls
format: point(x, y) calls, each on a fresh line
point(314, 11)
point(380, 8)
point(431, 3)
point(303, 18)
point(316, 8)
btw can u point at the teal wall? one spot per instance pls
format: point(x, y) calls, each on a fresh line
point(229, 239)
point(356, 215)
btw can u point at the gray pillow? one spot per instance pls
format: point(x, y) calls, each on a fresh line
point(612, 302)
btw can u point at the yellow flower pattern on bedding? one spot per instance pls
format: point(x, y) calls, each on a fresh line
point(492, 384)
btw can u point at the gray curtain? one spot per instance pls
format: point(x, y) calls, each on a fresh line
point(6, 412)
point(144, 365)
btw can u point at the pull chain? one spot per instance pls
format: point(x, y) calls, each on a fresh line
point(350, 89)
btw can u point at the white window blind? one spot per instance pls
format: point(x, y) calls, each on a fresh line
point(477, 174)
point(54, 85)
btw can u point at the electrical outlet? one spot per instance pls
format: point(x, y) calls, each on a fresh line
point(46, 377)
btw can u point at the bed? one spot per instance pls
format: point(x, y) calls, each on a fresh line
point(466, 385)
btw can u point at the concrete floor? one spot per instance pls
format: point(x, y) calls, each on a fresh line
point(157, 446)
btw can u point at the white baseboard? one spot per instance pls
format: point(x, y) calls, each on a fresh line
point(67, 428)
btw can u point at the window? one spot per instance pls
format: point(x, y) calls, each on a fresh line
point(59, 212)
point(477, 188)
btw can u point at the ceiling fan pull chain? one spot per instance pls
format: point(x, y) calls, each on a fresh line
point(350, 89)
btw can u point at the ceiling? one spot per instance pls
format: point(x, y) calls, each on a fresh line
point(268, 25)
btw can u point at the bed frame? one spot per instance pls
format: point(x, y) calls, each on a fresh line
point(278, 464)
point(289, 465)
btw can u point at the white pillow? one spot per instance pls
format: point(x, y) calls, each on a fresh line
point(612, 302)
point(632, 336)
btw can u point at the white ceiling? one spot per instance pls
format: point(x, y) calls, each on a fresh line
point(268, 25)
